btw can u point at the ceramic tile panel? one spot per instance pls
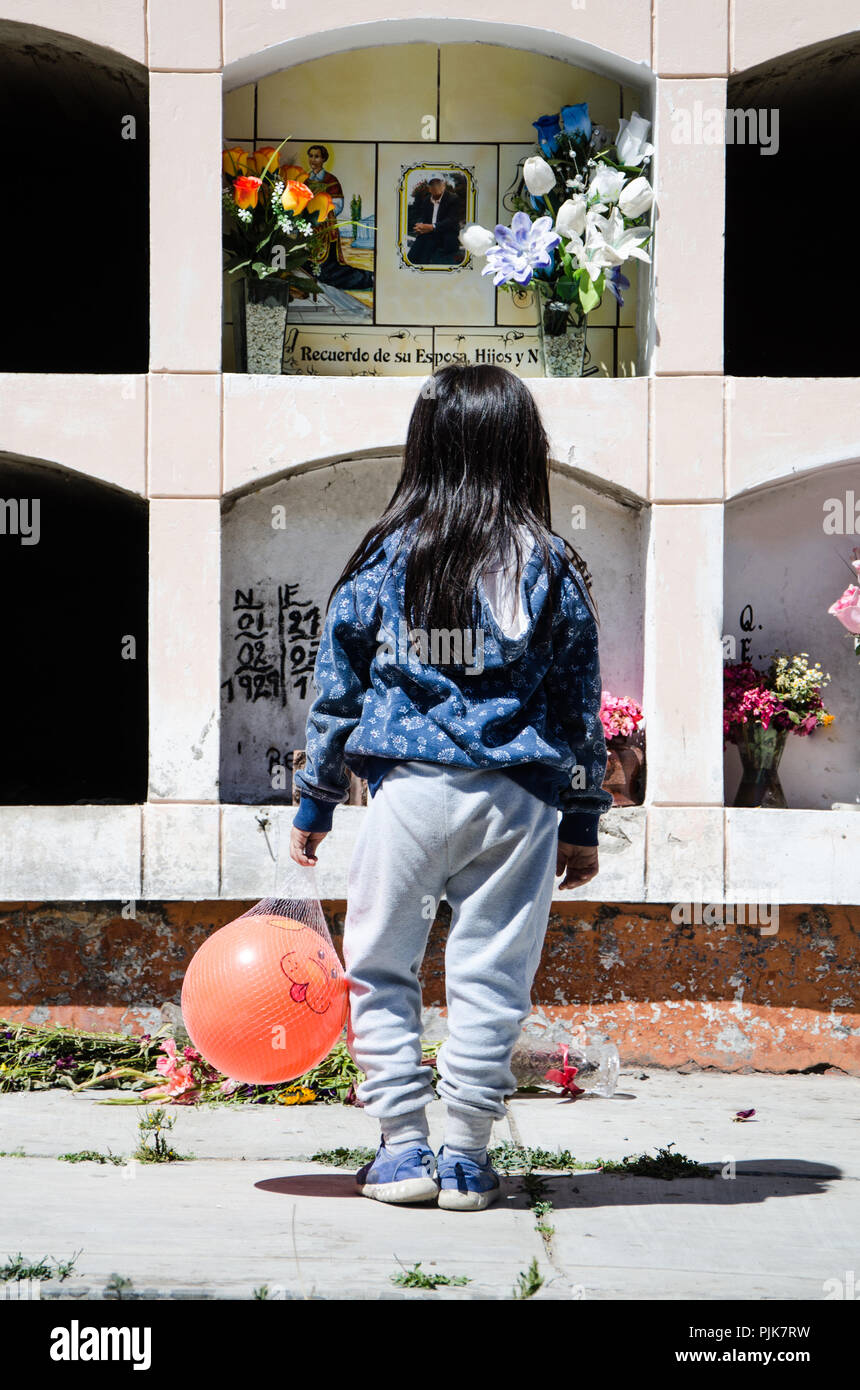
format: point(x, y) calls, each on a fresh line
point(489, 92)
point(381, 93)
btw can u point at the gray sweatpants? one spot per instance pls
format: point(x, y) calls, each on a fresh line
point(490, 846)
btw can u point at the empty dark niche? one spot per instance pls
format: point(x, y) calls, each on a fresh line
point(789, 301)
point(73, 708)
point(74, 238)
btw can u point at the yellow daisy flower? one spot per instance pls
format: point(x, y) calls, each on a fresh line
point(296, 1095)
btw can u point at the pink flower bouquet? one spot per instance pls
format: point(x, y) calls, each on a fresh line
point(786, 697)
point(180, 1083)
point(847, 607)
point(619, 715)
point(621, 718)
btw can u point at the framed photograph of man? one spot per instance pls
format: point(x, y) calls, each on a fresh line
point(435, 201)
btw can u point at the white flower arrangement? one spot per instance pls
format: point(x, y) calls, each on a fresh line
point(587, 212)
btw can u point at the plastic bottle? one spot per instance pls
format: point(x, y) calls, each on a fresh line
point(596, 1060)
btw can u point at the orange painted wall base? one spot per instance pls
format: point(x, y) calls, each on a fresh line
point(731, 997)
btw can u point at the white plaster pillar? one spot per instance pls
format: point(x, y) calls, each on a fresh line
point(184, 434)
point(185, 222)
point(184, 649)
point(691, 39)
point(689, 165)
point(184, 37)
point(683, 694)
point(683, 654)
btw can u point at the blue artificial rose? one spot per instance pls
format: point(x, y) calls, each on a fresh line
point(548, 130)
point(576, 118)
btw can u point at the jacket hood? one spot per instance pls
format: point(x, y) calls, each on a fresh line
point(498, 648)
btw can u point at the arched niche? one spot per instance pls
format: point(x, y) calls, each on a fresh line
point(381, 111)
point(787, 548)
point(73, 599)
point(275, 583)
point(271, 39)
point(782, 316)
point(75, 241)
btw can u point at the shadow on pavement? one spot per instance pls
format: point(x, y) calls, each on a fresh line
point(755, 1180)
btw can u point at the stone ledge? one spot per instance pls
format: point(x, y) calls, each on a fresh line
point(169, 852)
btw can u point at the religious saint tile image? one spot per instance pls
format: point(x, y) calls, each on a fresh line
point(342, 253)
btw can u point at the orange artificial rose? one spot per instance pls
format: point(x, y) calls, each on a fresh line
point(291, 171)
point(260, 158)
point(322, 204)
point(234, 161)
point(246, 191)
point(296, 196)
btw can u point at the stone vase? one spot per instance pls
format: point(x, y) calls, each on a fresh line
point(260, 311)
point(562, 341)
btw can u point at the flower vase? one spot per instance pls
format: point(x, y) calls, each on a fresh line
point(625, 761)
point(260, 324)
point(760, 750)
point(562, 340)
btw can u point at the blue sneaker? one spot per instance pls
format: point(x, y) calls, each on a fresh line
point(465, 1185)
point(402, 1176)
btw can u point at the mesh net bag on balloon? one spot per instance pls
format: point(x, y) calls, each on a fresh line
point(265, 997)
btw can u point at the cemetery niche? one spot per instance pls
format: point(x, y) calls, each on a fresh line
point(74, 579)
point(376, 200)
point(284, 545)
point(75, 240)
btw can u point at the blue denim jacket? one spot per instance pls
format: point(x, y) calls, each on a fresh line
point(523, 705)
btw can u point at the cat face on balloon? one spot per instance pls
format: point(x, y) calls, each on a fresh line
point(311, 968)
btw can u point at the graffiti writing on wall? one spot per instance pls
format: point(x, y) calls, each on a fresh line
point(276, 639)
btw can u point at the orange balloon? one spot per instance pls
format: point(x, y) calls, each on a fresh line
point(264, 999)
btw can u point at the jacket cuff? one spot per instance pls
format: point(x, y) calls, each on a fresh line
point(578, 828)
point(313, 815)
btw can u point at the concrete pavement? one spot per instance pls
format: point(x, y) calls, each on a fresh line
point(780, 1220)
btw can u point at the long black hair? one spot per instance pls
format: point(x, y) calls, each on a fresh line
point(476, 466)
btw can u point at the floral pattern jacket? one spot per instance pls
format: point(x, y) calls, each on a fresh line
point(525, 705)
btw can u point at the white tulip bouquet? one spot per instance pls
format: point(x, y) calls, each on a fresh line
point(583, 209)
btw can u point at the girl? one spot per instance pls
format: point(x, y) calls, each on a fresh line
point(458, 673)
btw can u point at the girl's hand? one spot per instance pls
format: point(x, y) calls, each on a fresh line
point(578, 863)
point(303, 844)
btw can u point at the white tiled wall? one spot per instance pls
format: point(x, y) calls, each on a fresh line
point(684, 439)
